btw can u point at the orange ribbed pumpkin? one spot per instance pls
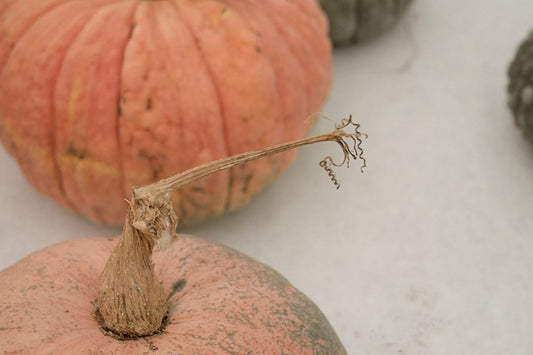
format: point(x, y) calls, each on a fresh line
point(102, 95)
point(220, 302)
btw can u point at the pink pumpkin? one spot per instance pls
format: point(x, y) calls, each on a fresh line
point(99, 96)
point(220, 302)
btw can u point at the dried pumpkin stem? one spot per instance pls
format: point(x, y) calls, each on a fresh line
point(131, 301)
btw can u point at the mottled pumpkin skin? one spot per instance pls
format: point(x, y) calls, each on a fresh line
point(354, 21)
point(520, 87)
point(221, 302)
point(99, 96)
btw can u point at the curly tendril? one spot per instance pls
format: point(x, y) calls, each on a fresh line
point(354, 151)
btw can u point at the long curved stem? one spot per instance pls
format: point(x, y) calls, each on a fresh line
point(130, 299)
point(177, 181)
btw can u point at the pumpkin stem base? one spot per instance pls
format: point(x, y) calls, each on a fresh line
point(122, 336)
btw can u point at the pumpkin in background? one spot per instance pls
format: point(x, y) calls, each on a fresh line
point(221, 301)
point(520, 87)
point(359, 20)
point(102, 95)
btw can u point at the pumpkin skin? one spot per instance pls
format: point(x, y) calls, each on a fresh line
point(99, 96)
point(520, 87)
point(353, 21)
point(221, 301)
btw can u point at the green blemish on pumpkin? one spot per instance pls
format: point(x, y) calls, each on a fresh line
point(120, 100)
point(149, 104)
point(132, 28)
point(228, 204)
point(177, 287)
point(318, 330)
point(75, 152)
point(246, 183)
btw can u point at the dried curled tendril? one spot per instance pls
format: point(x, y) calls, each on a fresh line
point(354, 151)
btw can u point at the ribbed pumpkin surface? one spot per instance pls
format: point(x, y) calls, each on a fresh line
point(99, 96)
